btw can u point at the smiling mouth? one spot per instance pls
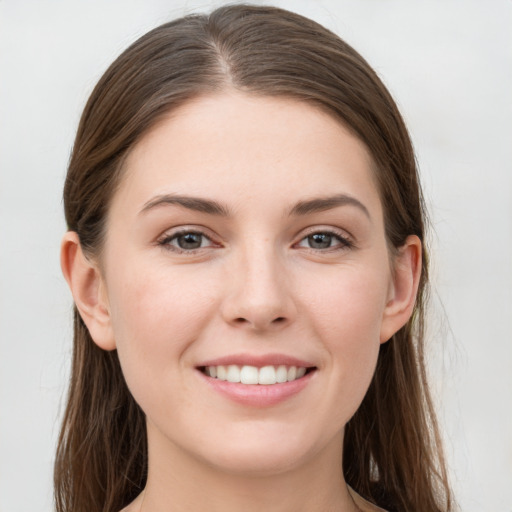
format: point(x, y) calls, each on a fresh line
point(265, 375)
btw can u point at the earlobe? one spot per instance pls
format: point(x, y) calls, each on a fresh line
point(87, 287)
point(404, 288)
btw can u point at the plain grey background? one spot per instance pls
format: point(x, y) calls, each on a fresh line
point(449, 66)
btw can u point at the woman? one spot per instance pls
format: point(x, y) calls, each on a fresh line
point(246, 255)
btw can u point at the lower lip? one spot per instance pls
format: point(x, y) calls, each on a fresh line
point(258, 395)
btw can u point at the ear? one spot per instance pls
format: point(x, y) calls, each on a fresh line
point(403, 288)
point(88, 289)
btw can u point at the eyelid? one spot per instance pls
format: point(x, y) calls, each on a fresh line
point(346, 239)
point(172, 233)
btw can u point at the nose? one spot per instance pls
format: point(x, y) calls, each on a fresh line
point(259, 296)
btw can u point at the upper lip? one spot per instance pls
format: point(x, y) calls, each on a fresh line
point(258, 360)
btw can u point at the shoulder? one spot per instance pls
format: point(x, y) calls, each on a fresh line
point(364, 505)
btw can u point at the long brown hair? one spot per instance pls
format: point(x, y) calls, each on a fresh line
point(392, 452)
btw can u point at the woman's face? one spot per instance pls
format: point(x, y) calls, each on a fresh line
point(247, 232)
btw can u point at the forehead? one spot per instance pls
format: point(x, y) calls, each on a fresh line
point(236, 146)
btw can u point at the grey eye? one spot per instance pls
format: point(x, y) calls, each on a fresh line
point(189, 241)
point(320, 240)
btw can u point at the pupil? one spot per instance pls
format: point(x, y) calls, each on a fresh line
point(190, 241)
point(320, 240)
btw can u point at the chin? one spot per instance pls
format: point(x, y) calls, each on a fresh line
point(258, 462)
point(263, 453)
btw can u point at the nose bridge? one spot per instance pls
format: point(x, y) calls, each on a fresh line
point(259, 297)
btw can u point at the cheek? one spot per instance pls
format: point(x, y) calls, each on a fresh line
point(151, 303)
point(350, 303)
point(156, 316)
point(347, 317)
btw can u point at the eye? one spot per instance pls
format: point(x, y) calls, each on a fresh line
point(325, 240)
point(186, 241)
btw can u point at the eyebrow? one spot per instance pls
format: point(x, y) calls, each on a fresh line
point(212, 207)
point(327, 203)
point(197, 204)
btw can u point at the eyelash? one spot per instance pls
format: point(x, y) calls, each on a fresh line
point(166, 241)
point(344, 242)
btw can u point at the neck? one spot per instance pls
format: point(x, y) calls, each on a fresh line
point(179, 482)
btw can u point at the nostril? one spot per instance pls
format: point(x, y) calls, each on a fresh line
point(259, 323)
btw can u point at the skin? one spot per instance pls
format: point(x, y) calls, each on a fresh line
point(257, 285)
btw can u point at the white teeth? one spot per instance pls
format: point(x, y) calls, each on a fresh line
point(292, 373)
point(249, 375)
point(281, 374)
point(233, 374)
point(266, 375)
point(221, 373)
